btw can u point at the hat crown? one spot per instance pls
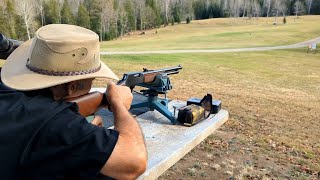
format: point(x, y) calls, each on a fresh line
point(58, 54)
point(60, 49)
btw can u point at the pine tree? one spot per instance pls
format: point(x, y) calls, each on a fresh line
point(11, 19)
point(156, 11)
point(188, 20)
point(3, 23)
point(52, 12)
point(21, 30)
point(66, 14)
point(158, 17)
point(130, 14)
point(83, 18)
point(13, 23)
point(172, 22)
point(94, 10)
point(176, 13)
point(151, 3)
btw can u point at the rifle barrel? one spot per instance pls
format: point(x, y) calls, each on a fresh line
point(165, 70)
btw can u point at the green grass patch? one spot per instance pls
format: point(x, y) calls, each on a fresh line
point(220, 33)
point(232, 34)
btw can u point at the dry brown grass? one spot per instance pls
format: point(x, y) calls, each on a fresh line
point(273, 99)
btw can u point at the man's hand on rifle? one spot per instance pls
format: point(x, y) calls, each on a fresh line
point(118, 96)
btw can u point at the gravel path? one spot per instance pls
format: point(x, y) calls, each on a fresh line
point(298, 45)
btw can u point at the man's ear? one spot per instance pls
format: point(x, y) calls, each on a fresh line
point(71, 88)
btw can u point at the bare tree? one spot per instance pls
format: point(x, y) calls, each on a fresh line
point(298, 8)
point(251, 8)
point(233, 7)
point(166, 7)
point(123, 20)
point(2, 7)
point(256, 9)
point(40, 10)
point(309, 3)
point(25, 9)
point(74, 4)
point(187, 8)
point(2, 3)
point(60, 4)
point(280, 8)
point(244, 8)
point(267, 5)
point(140, 11)
point(107, 16)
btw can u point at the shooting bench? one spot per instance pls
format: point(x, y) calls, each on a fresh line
point(167, 143)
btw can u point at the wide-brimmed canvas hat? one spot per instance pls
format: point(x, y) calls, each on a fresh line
point(58, 54)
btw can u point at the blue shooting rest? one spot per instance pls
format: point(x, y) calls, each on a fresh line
point(160, 85)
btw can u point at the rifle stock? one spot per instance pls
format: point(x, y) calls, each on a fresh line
point(90, 103)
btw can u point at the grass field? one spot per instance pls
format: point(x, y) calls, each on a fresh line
point(273, 99)
point(220, 34)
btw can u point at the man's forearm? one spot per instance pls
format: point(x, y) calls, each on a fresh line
point(132, 140)
point(127, 125)
point(129, 157)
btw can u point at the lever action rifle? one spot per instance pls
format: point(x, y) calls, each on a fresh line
point(90, 103)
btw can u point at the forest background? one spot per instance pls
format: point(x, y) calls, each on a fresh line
point(111, 19)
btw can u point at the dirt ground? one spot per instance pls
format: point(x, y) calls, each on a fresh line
point(260, 140)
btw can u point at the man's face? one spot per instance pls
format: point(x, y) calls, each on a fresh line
point(72, 89)
point(79, 88)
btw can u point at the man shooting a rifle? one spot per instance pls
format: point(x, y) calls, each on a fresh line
point(44, 137)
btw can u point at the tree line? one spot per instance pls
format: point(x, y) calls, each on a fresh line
point(110, 19)
point(204, 9)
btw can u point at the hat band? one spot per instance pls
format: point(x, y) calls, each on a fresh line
point(55, 73)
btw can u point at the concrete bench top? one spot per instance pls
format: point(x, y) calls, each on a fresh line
point(167, 143)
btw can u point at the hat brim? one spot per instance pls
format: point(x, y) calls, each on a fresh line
point(16, 75)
